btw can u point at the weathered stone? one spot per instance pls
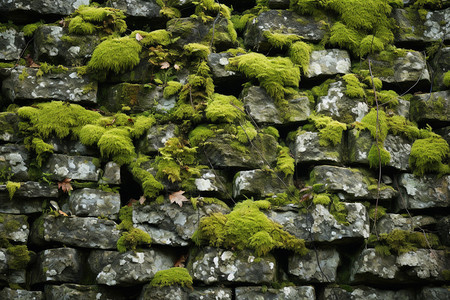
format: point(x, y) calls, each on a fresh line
point(32, 189)
point(58, 265)
point(441, 65)
point(19, 276)
point(286, 293)
point(371, 267)
point(219, 293)
point(390, 222)
point(87, 232)
point(9, 127)
point(14, 160)
point(14, 227)
point(328, 62)
point(111, 174)
point(66, 86)
point(147, 9)
point(434, 293)
point(20, 9)
point(98, 259)
point(71, 147)
point(437, 26)
point(340, 107)
point(424, 264)
point(162, 293)
point(131, 268)
point(431, 108)
point(94, 203)
point(218, 63)
point(321, 226)
point(364, 293)
point(427, 191)
point(259, 183)
point(8, 293)
point(3, 261)
point(12, 44)
point(445, 133)
point(443, 228)
point(263, 109)
point(214, 182)
point(156, 138)
point(307, 149)
point(351, 183)
point(221, 154)
point(73, 167)
point(312, 268)
point(190, 30)
point(139, 97)
point(219, 265)
point(398, 147)
point(170, 224)
point(54, 45)
point(284, 21)
point(70, 291)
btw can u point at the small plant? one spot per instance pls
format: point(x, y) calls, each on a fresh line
point(172, 276)
point(12, 187)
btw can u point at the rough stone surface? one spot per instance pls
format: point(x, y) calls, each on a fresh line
point(44, 7)
point(73, 167)
point(423, 192)
point(14, 158)
point(111, 174)
point(156, 138)
point(286, 293)
point(94, 203)
point(11, 43)
point(67, 86)
point(259, 183)
point(281, 22)
point(443, 227)
point(219, 265)
point(33, 189)
point(423, 264)
point(135, 267)
point(390, 222)
point(14, 227)
point(364, 293)
point(263, 109)
point(51, 47)
point(434, 293)
point(70, 291)
point(437, 26)
point(212, 181)
point(340, 107)
point(58, 265)
point(441, 65)
point(218, 63)
point(138, 8)
point(163, 293)
point(371, 266)
point(170, 224)
point(320, 268)
point(432, 108)
point(217, 293)
point(328, 62)
point(98, 259)
point(8, 293)
point(351, 183)
point(87, 232)
point(321, 226)
point(9, 127)
point(68, 146)
point(307, 149)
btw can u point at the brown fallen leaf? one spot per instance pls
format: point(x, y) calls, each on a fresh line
point(181, 261)
point(178, 198)
point(131, 201)
point(65, 185)
point(62, 213)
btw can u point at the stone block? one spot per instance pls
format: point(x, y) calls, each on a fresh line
point(363, 293)
point(389, 222)
point(19, 9)
point(9, 127)
point(307, 149)
point(8, 293)
point(328, 62)
point(156, 138)
point(162, 293)
point(14, 161)
point(312, 268)
point(73, 167)
point(14, 227)
point(431, 108)
point(259, 183)
point(71, 291)
point(12, 43)
point(212, 182)
point(111, 174)
point(94, 203)
point(286, 293)
point(221, 293)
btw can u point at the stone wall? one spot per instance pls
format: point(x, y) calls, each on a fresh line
point(181, 150)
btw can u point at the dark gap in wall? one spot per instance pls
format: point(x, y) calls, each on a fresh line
point(129, 188)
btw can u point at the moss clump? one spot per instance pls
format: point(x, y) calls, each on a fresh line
point(153, 38)
point(400, 241)
point(300, 54)
point(172, 276)
point(151, 187)
point(90, 134)
point(353, 88)
point(12, 187)
point(446, 79)
point(370, 44)
point(374, 157)
point(377, 129)
point(19, 257)
point(116, 55)
point(345, 37)
point(380, 212)
point(133, 238)
point(330, 131)
point(172, 88)
point(285, 162)
point(90, 19)
point(200, 134)
point(207, 10)
point(41, 148)
point(277, 75)
point(246, 227)
point(117, 144)
point(280, 40)
point(198, 50)
point(428, 155)
point(223, 108)
point(29, 29)
point(46, 68)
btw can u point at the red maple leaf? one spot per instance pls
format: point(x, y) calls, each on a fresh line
point(65, 185)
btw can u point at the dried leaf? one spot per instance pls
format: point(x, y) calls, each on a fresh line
point(308, 188)
point(178, 198)
point(306, 197)
point(180, 262)
point(65, 185)
point(131, 201)
point(164, 65)
point(34, 65)
point(138, 37)
point(142, 200)
point(62, 213)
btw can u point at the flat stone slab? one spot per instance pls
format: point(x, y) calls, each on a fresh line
point(86, 232)
point(214, 182)
point(14, 227)
point(94, 203)
point(156, 138)
point(328, 62)
point(423, 192)
point(286, 293)
point(321, 226)
point(218, 265)
point(364, 293)
point(389, 222)
point(431, 108)
point(16, 159)
point(312, 268)
point(147, 9)
point(80, 291)
point(44, 7)
point(67, 86)
point(173, 292)
point(221, 293)
point(259, 183)
point(307, 149)
point(12, 43)
point(9, 127)
point(8, 293)
point(73, 167)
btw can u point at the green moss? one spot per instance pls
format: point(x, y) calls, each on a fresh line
point(78, 26)
point(90, 19)
point(23, 75)
point(323, 199)
point(19, 257)
point(275, 74)
point(12, 187)
point(46, 68)
point(322, 90)
point(285, 162)
point(198, 50)
point(400, 241)
point(428, 155)
point(300, 54)
point(434, 4)
point(117, 55)
point(207, 10)
point(6, 65)
point(280, 40)
point(345, 37)
point(200, 201)
point(370, 44)
point(446, 79)
point(246, 132)
point(151, 187)
point(353, 88)
point(172, 276)
point(172, 88)
point(200, 134)
point(41, 148)
point(153, 38)
point(380, 212)
point(117, 144)
point(370, 123)
point(29, 29)
point(246, 227)
point(141, 124)
point(223, 108)
point(90, 134)
point(374, 156)
point(133, 238)
point(330, 131)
